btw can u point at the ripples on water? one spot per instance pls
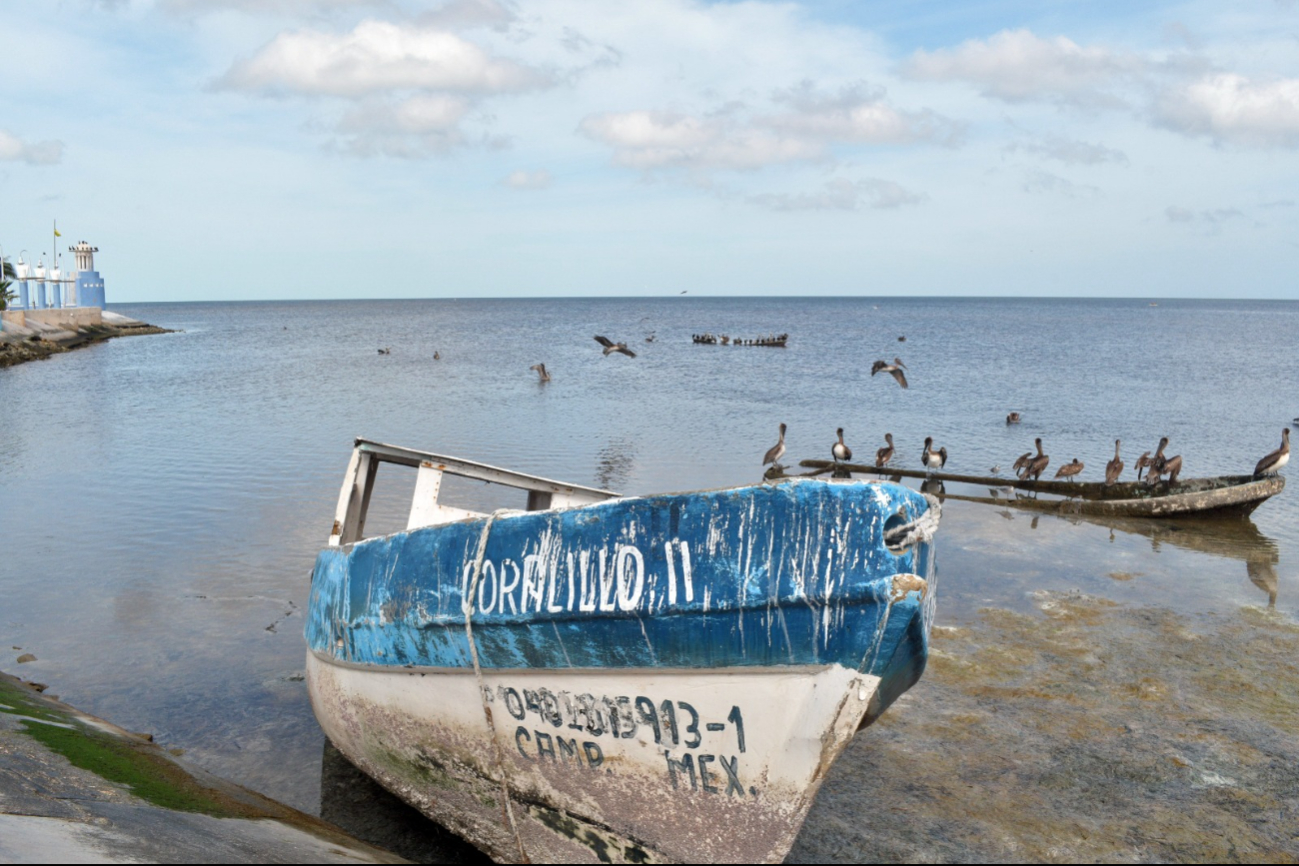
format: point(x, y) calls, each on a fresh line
point(162, 498)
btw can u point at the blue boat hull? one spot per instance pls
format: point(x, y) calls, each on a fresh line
point(554, 662)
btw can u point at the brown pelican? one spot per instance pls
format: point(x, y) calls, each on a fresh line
point(1012, 418)
point(610, 346)
point(1161, 465)
point(437, 356)
point(542, 375)
point(840, 451)
point(1114, 468)
point(1070, 470)
point(387, 351)
point(1038, 464)
point(1021, 463)
point(892, 369)
point(1142, 464)
point(776, 451)
point(931, 458)
point(897, 362)
point(1272, 463)
point(884, 455)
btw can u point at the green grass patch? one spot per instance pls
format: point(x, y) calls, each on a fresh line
point(147, 773)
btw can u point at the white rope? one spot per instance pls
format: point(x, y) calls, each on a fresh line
point(918, 531)
point(467, 605)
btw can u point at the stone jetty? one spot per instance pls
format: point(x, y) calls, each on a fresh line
point(34, 335)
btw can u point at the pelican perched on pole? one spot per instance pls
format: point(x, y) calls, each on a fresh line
point(885, 454)
point(840, 452)
point(1038, 464)
point(775, 452)
point(931, 458)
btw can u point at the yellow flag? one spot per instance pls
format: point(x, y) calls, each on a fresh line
point(58, 234)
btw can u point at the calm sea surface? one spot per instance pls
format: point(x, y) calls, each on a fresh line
point(162, 498)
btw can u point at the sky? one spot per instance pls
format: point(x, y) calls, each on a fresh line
point(301, 149)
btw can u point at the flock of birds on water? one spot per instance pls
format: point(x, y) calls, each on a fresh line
point(1027, 467)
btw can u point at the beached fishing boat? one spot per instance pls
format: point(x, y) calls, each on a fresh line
point(626, 679)
point(1224, 495)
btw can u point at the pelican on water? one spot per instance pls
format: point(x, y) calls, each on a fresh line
point(542, 375)
point(1012, 418)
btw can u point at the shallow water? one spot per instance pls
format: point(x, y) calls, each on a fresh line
point(162, 498)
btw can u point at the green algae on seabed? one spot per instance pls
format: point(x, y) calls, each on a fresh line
point(1092, 731)
point(147, 775)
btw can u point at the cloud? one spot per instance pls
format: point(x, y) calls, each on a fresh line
point(1069, 152)
point(377, 56)
point(802, 126)
point(417, 126)
point(1211, 221)
point(1232, 109)
point(842, 194)
point(14, 149)
point(528, 180)
point(659, 139)
point(1019, 66)
point(857, 114)
point(263, 7)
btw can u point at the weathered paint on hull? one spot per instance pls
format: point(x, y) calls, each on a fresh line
point(656, 678)
point(733, 783)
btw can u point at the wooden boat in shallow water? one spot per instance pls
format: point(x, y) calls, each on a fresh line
point(600, 678)
point(1220, 496)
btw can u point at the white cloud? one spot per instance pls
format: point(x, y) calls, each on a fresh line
point(1232, 109)
point(802, 127)
point(263, 7)
point(842, 194)
point(14, 149)
point(375, 57)
point(529, 180)
point(418, 126)
point(1020, 66)
point(856, 114)
point(658, 139)
point(1209, 221)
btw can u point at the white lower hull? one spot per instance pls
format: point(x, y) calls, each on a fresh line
point(614, 765)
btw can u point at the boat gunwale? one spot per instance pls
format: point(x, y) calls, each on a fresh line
point(593, 671)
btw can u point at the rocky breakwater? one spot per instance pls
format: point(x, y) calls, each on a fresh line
point(34, 335)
